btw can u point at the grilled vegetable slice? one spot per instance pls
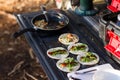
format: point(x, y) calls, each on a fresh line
point(57, 53)
point(68, 64)
point(89, 58)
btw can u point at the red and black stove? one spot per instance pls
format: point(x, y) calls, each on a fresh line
point(111, 39)
point(111, 30)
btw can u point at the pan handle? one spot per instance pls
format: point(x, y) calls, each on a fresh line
point(45, 13)
point(20, 32)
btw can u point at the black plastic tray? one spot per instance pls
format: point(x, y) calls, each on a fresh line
point(41, 42)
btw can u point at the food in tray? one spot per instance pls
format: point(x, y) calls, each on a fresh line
point(89, 58)
point(78, 48)
point(68, 64)
point(68, 38)
point(42, 24)
point(57, 53)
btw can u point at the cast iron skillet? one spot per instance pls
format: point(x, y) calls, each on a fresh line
point(55, 18)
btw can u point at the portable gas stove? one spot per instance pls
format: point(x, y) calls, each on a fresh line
point(111, 35)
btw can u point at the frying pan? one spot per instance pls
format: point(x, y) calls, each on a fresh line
point(56, 22)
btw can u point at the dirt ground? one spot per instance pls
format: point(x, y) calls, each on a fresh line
point(17, 60)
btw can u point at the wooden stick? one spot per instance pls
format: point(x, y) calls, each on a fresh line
point(16, 67)
point(29, 75)
point(24, 77)
point(31, 53)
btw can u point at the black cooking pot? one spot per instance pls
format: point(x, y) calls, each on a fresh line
point(57, 21)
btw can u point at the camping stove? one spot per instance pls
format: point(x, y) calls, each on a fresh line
point(110, 23)
point(111, 36)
